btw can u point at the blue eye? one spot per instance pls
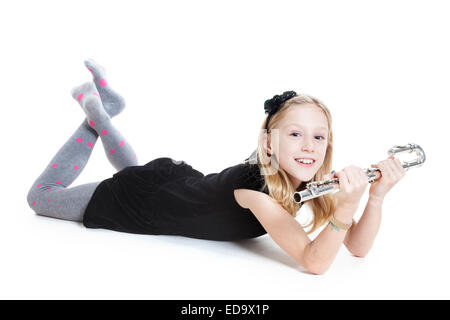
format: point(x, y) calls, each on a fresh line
point(323, 138)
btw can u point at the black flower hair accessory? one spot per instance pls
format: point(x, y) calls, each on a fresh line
point(271, 106)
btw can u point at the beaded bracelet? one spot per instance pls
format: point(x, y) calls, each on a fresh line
point(338, 224)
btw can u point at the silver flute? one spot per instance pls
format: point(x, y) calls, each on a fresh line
point(319, 188)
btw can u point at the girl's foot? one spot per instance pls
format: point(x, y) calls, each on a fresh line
point(89, 99)
point(80, 93)
point(84, 90)
point(113, 102)
point(95, 113)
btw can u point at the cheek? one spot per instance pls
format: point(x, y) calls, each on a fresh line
point(322, 157)
point(281, 145)
point(284, 147)
point(288, 147)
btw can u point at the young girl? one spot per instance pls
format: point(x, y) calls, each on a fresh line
point(244, 201)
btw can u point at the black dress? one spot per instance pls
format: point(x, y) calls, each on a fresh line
point(172, 198)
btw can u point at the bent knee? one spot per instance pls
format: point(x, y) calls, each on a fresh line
point(39, 198)
point(32, 198)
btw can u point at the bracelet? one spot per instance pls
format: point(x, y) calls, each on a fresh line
point(338, 224)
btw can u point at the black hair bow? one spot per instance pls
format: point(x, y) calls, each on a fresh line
point(272, 105)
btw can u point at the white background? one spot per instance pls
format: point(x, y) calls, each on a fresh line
point(195, 75)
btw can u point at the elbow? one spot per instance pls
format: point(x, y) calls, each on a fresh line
point(313, 267)
point(359, 254)
point(316, 269)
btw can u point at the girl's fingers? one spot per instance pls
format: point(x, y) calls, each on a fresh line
point(391, 168)
point(350, 175)
point(387, 169)
point(353, 175)
point(399, 167)
point(343, 180)
point(394, 170)
point(363, 175)
point(396, 167)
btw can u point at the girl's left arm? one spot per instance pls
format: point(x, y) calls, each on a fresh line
point(361, 235)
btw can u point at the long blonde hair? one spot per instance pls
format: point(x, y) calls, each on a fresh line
point(279, 185)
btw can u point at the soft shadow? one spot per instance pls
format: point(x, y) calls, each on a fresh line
point(257, 246)
point(260, 247)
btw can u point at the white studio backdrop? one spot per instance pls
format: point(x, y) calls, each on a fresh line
point(195, 75)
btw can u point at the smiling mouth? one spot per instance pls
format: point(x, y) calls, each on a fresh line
point(306, 164)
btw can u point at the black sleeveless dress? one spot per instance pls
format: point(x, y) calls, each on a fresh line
point(172, 198)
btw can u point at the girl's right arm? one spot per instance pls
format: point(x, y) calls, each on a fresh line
point(315, 256)
point(321, 252)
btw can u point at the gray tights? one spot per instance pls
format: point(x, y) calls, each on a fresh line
point(50, 194)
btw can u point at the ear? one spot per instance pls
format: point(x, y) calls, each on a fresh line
point(266, 145)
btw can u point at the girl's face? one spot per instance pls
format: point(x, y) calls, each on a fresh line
point(303, 133)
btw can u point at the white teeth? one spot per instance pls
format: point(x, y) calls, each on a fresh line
point(306, 161)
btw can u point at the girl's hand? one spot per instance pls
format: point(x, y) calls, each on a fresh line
point(391, 173)
point(352, 183)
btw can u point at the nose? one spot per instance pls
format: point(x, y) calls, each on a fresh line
point(307, 145)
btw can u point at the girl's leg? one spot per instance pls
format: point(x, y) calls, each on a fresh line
point(49, 194)
point(117, 150)
point(113, 102)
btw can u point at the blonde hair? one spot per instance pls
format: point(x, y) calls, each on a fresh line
point(279, 185)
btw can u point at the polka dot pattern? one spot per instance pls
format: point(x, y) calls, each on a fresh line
point(89, 144)
point(103, 82)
